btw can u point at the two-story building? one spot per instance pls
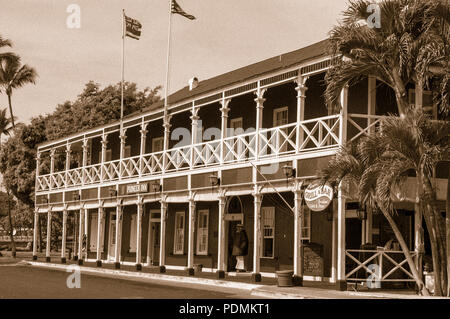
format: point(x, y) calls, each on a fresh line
point(239, 148)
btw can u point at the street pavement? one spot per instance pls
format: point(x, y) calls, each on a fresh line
point(22, 281)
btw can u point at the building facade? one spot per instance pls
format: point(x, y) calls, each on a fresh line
point(239, 148)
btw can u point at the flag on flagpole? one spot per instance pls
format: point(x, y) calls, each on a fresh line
point(133, 28)
point(177, 10)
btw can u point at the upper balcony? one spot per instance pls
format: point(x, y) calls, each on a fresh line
point(279, 116)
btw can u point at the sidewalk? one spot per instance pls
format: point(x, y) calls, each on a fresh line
point(267, 288)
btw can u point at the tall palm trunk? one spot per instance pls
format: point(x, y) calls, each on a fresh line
point(11, 228)
point(447, 226)
point(10, 110)
point(412, 266)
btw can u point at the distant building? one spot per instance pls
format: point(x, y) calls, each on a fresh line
point(238, 148)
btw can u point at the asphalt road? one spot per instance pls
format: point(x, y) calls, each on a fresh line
point(21, 281)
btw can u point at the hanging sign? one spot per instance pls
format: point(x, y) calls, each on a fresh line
point(318, 196)
point(136, 188)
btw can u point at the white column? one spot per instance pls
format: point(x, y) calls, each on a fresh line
point(119, 217)
point(140, 210)
point(257, 236)
point(162, 244)
point(35, 235)
point(166, 126)
point(190, 264)
point(194, 131)
point(85, 148)
point(86, 228)
point(143, 132)
point(259, 117)
point(49, 232)
point(301, 104)
point(149, 241)
point(64, 236)
point(103, 159)
point(67, 166)
point(224, 125)
point(341, 239)
point(80, 236)
point(343, 116)
point(334, 242)
point(100, 223)
point(123, 139)
point(221, 241)
point(298, 222)
point(52, 166)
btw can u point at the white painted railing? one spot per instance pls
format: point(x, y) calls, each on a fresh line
point(380, 265)
point(305, 136)
point(362, 124)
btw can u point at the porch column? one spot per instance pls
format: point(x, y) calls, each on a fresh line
point(103, 159)
point(100, 223)
point(341, 282)
point(343, 116)
point(143, 132)
point(167, 127)
point(194, 130)
point(64, 237)
point(259, 116)
point(35, 235)
point(80, 237)
point(119, 217)
point(149, 240)
point(49, 238)
point(221, 241)
point(418, 238)
point(85, 147)
point(67, 166)
point(301, 103)
point(298, 245)
point(140, 210)
point(123, 139)
point(52, 166)
point(256, 276)
point(190, 263)
point(85, 235)
point(224, 125)
point(162, 244)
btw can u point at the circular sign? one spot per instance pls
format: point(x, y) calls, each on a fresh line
point(318, 196)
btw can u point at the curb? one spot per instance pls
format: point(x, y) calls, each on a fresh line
point(136, 275)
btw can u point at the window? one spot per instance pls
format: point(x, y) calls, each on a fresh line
point(108, 156)
point(427, 102)
point(268, 225)
point(306, 225)
point(280, 118)
point(202, 232)
point(178, 242)
point(157, 144)
point(127, 151)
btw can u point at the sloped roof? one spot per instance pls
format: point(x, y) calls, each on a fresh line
point(250, 71)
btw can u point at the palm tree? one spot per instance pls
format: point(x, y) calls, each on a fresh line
point(350, 166)
point(13, 75)
point(5, 129)
point(410, 46)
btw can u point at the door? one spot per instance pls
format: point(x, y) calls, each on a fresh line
point(156, 228)
point(112, 237)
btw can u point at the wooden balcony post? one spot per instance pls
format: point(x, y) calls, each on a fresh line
point(221, 241)
point(103, 159)
point(52, 166)
point(194, 132)
point(140, 210)
point(341, 280)
point(343, 116)
point(167, 127)
point(259, 117)
point(100, 226)
point(68, 157)
point(190, 263)
point(257, 198)
point(123, 139)
point(64, 236)
point(143, 132)
point(298, 222)
point(301, 104)
point(49, 235)
point(35, 234)
point(85, 147)
point(224, 125)
point(162, 244)
point(119, 218)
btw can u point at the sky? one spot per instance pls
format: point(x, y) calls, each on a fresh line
point(226, 35)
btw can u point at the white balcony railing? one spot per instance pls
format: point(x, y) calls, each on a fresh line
point(310, 135)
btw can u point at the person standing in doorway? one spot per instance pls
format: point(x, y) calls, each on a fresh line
point(240, 247)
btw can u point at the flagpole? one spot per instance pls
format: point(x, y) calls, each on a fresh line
point(123, 69)
point(166, 90)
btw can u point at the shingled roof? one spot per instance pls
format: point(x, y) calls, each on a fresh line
point(276, 63)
